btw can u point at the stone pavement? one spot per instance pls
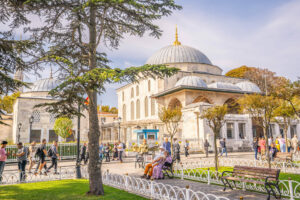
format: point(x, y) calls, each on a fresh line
point(129, 167)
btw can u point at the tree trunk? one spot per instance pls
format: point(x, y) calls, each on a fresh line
point(285, 137)
point(94, 168)
point(216, 152)
point(171, 142)
point(267, 146)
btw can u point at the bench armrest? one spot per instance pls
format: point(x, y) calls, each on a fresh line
point(226, 172)
point(266, 180)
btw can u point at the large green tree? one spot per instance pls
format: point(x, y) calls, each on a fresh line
point(72, 31)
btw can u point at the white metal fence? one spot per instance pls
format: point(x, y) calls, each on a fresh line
point(199, 171)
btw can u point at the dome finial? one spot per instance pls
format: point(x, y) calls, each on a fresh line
point(176, 42)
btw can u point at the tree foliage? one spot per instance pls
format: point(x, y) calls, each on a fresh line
point(171, 118)
point(7, 102)
point(72, 32)
point(238, 72)
point(63, 127)
point(262, 109)
point(113, 110)
point(215, 118)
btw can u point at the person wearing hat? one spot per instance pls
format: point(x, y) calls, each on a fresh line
point(22, 160)
point(3, 157)
point(149, 167)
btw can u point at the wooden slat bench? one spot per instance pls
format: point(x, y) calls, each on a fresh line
point(283, 156)
point(255, 175)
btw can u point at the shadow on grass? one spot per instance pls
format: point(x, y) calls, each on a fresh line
point(54, 190)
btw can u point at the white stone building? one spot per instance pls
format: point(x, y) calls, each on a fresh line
point(43, 122)
point(198, 84)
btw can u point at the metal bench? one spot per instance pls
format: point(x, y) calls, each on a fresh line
point(253, 175)
point(287, 157)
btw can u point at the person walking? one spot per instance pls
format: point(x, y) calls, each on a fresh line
point(83, 153)
point(101, 152)
point(53, 153)
point(106, 152)
point(41, 154)
point(3, 157)
point(31, 156)
point(167, 145)
point(281, 143)
point(223, 146)
point(115, 151)
point(186, 148)
point(219, 149)
point(295, 144)
point(21, 155)
point(262, 145)
point(176, 150)
point(120, 151)
point(206, 145)
point(255, 147)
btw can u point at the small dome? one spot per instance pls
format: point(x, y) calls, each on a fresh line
point(191, 81)
point(44, 85)
point(224, 86)
point(178, 54)
point(248, 86)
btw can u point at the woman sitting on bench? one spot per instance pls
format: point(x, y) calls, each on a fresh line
point(149, 167)
point(157, 170)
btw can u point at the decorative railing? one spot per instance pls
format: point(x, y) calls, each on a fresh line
point(200, 171)
point(155, 190)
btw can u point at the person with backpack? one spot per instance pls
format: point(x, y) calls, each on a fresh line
point(53, 154)
point(106, 152)
point(22, 160)
point(41, 154)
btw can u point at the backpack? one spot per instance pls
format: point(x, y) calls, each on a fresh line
point(124, 146)
point(38, 152)
point(50, 152)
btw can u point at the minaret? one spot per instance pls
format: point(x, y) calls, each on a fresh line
point(176, 42)
point(19, 75)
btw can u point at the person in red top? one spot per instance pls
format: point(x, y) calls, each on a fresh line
point(262, 144)
point(3, 157)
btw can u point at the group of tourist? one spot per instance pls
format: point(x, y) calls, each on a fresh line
point(34, 154)
point(277, 145)
point(116, 149)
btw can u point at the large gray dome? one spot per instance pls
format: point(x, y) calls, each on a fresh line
point(178, 54)
point(191, 81)
point(43, 85)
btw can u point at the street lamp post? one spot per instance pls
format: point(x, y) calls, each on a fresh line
point(119, 122)
point(78, 170)
point(19, 127)
point(31, 118)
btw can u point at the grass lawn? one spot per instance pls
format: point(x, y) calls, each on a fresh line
point(64, 189)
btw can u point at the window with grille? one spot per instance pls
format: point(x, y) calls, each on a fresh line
point(52, 118)
point(242, 130)
point(36, 116)
point(230, 131)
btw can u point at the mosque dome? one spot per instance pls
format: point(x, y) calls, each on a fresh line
point(224, 86)
point(248, 86)
point(43, 85)
point(191, 81)
point(178, 53)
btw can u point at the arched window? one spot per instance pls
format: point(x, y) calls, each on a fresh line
point(132, 111)
point(152, 106)
point(146, 106)
point(138, 109)
point(174, 103)
point(132, 92)
point(123, 96)
point(137, 90)
point(149, 85)
point(124, 112)
point(232, 106)
point(201, 99)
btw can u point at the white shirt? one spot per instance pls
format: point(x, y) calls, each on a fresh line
point(121, 147)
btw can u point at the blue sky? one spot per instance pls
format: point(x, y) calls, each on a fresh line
point(231, 33)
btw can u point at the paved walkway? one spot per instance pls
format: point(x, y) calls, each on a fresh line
point(129, 167)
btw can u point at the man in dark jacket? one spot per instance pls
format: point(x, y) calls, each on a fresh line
point(176, 150)
point(83, 153)
point(223, 146)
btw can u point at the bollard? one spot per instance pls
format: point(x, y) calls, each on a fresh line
point(208, 176)
point(187, 192)
point(291, 189)
point(60, 173)
point(151, 189)
point(126, 181)
point(284, 167)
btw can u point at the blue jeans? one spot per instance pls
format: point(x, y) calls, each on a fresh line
point(22, 166)
point(282, 148)
point(255, 151)
point(224, 150)
point(120, 156)
point(2, 164)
